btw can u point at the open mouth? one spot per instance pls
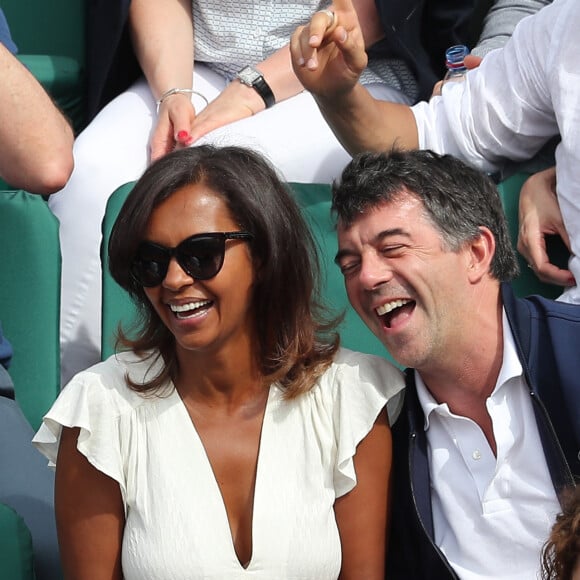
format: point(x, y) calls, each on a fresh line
point(183, 311)
point(395, 312)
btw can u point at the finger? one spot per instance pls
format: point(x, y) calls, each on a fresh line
point(352, 47)
point(551, 274)
point(437, 89)
point(162, 141)
point(533, 249)
point(472, 61)
point(321, 26)
point(300, 49)
point(535, 256)
point(181, 120)
point(531, 244)
point(342, 6)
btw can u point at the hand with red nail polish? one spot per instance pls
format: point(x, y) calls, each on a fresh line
point(173, 130)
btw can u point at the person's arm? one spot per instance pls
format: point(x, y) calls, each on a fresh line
point(89, 515)
point(540, 216)
point(238, 101)
point(162, 35)
point(328, 60)
point(36, 138)
point(362, 513)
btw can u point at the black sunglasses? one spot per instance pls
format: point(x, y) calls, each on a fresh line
point(200, 256)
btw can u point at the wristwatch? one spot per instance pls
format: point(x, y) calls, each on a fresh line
point(250, 77)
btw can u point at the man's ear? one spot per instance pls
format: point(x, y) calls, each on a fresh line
point(481, 253)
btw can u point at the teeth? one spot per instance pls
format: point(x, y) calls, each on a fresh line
point(188, 307)
point(389, 306)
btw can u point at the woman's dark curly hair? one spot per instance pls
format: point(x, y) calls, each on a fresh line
point(296, 337)
point(561, 553)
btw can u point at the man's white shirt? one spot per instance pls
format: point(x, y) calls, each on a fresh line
point(491, 514)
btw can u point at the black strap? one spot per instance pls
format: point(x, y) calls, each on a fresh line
point(264, 90)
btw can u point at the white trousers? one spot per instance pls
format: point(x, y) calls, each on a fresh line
point(113, 150)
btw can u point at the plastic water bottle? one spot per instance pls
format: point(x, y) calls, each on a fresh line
point(456, 69)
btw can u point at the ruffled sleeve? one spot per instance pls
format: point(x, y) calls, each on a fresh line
point(95, 401)
point(361, 387)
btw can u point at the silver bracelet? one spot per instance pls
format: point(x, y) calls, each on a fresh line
point(176, 91)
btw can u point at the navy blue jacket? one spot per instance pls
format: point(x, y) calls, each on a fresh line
point(547, 337)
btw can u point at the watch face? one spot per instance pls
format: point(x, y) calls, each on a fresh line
point(249, 76)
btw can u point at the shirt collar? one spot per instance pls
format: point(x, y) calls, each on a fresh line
point(511, 367)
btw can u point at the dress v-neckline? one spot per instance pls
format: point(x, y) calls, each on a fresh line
point(218, 497)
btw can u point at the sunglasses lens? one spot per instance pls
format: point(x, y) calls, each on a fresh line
point(150, 267)
point(202, 257)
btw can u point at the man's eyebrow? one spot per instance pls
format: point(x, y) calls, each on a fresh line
point(378, 238)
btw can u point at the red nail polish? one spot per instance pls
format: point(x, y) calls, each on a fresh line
point(182, 135)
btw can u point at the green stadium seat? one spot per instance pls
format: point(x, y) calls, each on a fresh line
point(30, 299)
point(16, 558)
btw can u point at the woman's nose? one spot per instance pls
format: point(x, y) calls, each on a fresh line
point(176, 277)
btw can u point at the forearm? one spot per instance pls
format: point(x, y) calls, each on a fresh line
point(278, 73)
point(162, 34)
point(36, 138)
point(363, 123)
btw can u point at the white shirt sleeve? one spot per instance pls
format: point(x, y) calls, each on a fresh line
point(503, 109)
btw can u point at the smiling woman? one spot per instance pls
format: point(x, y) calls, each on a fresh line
point(172, 458)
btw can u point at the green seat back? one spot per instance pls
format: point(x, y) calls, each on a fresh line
point(30, 298)
point(16, 558)
point(39, 27)
point(117, 307)
point(51, 43)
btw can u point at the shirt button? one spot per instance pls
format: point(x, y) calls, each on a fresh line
point(476, 455)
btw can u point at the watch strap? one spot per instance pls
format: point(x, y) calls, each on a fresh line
point(260, 85)
point(264, 90)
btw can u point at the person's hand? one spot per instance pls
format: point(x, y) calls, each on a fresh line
point(173, 129)
point(470, 61)
point(328, 54)
point(237, 101)
point(540, 216)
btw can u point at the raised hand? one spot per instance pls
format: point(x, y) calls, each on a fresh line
point(328, 53)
